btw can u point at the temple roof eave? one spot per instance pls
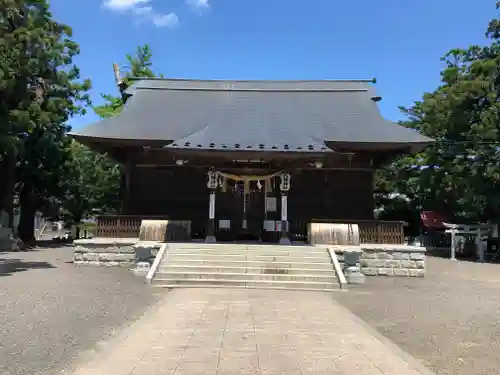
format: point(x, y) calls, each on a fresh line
point(290, 117)
point(327, 146)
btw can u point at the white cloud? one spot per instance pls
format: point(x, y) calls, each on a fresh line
point(198, 5)
point(123, 4)
point(158, 19)
point(143, 10)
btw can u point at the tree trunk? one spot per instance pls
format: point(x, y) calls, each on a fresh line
point(8, 173)
point(77, 222)
point(26, 229)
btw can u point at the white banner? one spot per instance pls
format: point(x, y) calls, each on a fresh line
point(211, 208)
point(284, 208)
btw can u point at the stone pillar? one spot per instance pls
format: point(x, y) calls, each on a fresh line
point(284, 188)
point(212, 186)
point(480, 245)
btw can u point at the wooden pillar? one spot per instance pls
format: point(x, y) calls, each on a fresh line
point(326, 196)
point(212, 186)
point(126, 188)
point(246, 192)
point(284, 188)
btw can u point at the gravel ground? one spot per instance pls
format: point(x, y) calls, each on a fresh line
point(450, 319)
point(52, 311)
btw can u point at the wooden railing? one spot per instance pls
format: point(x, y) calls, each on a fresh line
point(121, 226)
point(382, 232)
point(370, 231)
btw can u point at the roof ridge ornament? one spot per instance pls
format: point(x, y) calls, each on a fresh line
point(120, 83)
point(118, 78)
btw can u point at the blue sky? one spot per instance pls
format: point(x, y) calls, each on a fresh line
point(397, 41)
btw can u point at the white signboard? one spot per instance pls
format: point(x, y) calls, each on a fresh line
point(269, 225)
point(284, 208)
point(224, 224)
point(211, 208)
point(270, 204)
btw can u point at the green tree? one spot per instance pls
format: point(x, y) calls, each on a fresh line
point(460, 174)
point(91, 184)
point(15, 87)
point(96, 183)
point(40, 91)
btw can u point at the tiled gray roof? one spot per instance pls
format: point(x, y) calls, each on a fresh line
point(253, 115)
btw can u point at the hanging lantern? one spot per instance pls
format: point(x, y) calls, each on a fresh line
point(212, 180)
point(285, 182)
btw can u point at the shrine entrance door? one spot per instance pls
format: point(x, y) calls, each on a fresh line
point(240, 212)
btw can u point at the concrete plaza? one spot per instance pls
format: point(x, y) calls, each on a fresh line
point(231, 331)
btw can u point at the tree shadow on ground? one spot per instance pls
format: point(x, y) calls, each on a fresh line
point(11, 266)
point(47, 244)
point(40, 245)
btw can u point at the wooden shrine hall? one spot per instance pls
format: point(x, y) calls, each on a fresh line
point(250, 160)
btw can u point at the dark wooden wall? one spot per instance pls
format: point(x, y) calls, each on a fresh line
point(181, 193)
point(331, 194)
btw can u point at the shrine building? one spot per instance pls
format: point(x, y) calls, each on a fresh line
point(250, 160)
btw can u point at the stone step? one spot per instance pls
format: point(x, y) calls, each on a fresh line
point(271, 284)
point(172, 275)
point(243, 269)
point(327, 265)
point(241, 247)
point(268, 252)
point(335, 288)
point(248, 257)
point(247, 266)
point(320, 254)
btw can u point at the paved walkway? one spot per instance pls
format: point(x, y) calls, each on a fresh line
point(220, 331)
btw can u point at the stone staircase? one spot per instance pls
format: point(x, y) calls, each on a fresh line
point(246, 266)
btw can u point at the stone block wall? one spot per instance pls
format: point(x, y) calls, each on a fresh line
point(406, 261)
point(114, 252)
point(105, 252)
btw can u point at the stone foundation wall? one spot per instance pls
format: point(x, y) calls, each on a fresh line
point(406, 261)
point(105, 252)
point(388, 260)
point(114, 252)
